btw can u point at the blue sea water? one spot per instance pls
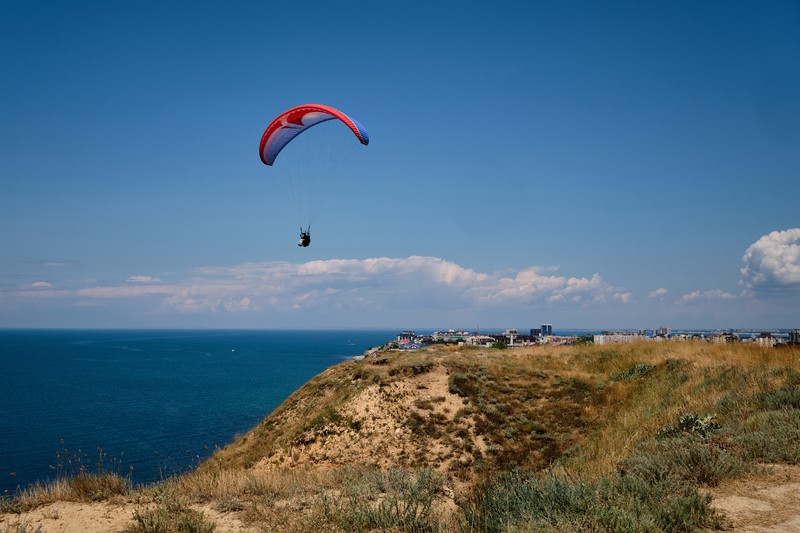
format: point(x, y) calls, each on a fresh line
point(157, 401)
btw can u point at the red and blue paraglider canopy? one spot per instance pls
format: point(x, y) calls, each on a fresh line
point(295, 121)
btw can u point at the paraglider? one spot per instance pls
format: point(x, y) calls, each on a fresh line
point(300, 178)
point(305, 237)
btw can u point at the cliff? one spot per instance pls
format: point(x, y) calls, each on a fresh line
point(621, 437)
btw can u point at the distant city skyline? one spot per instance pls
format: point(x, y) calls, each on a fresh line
point(591, 165)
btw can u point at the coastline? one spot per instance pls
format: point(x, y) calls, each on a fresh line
point(157, 400)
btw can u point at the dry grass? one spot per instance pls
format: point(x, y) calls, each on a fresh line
point(274, 484)
point(688, 378)
point(78, 488)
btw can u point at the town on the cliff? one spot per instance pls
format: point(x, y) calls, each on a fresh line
point(410, 340)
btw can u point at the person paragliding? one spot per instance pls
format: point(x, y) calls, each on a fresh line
point(300, 179)
point(305, 237)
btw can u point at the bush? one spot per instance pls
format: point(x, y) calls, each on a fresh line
point(684, 458)
point(692, 424)
point(404, 503)
point(770, 437)
point(412, 369)
point(162, 520)
point(636, 371)
point(171, 515)
point(782, 398)
point(521, 501)
point(98, 487)
point(462, 384)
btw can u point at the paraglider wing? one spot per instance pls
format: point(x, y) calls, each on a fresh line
point(295, 121)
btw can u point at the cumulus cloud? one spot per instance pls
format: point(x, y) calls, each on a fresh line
point(342, 285)
point(658, 293)
point(41, 285)
point(377, 283)
point(773, 261)
point(143, 279)
point(624, 297)
point(714, 294)
point(534, 285)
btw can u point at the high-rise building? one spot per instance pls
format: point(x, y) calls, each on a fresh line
point(547, 329)
point(662, 332)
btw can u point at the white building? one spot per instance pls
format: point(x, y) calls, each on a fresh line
point(766, 340)
point(609, 338)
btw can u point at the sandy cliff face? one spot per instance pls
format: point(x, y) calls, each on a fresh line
point(388, 425)
point(460, 415)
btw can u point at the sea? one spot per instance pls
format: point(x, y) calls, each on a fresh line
point(147, 404)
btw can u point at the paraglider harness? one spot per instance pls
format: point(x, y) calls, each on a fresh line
point(305, 237)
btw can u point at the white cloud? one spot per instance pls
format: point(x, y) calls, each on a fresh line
point(624, 297)
point(124, 291)
point(41, 285)
point(773, 261)
point(344, 285)
point(143, 279)
point(383, 282)
point(714, 294)
point(658, 293)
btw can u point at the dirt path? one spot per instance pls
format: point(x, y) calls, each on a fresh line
point(71, 517)
point(766, 503)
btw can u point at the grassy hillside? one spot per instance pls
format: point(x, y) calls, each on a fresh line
point(619, 437)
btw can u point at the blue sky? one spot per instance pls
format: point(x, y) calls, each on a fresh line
point(587, 164)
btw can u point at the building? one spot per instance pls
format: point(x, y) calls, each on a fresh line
point(609, 337)
point(547, 330)
point(794, 336)
point(480, 340)
point(406, 337)
point(724, 338)
point(559, 340)
point(662, 332)
point(766, 340)
point(449, 336)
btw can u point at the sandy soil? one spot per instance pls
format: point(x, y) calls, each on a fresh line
point(71, 517)
point(383, 437)
point(766, 503)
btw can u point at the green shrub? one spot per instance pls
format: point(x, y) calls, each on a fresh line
point(171, 515)
point(520, 501)
point(770, 437)
point(462, 384)
point(636, 371)
point(414, 368)
point(162, 520)
point(692, 424)
point(782, 398)
point(685, 458)
point(404, 502)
